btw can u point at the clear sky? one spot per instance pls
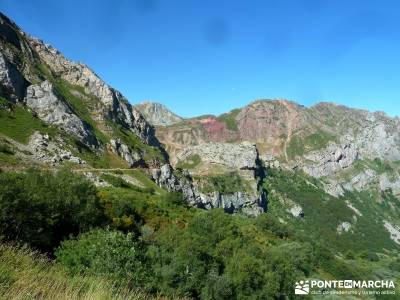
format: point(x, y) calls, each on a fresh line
point(210, 56)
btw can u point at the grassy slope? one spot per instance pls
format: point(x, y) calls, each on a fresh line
point(227, 183)
point(229, 119)
point(299, 146)
point(27, 275)
point(19, 124)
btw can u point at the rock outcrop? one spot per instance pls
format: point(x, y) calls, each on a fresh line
point(157, 114)
point(343, 227)
point(238, 156)
point(114, 105)
point(49, 151)
point(118, 147)
point(331, 160)
point(167, 178)
point(49, 107)
point(393, 230)
point(12, 84)
point(296, 210)
point(237, 164)
point(251, 205)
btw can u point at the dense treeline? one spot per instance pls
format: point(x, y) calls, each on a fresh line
point(42, 209)
point(151, 240)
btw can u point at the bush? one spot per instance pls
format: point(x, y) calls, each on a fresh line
point(174, 199)
point(369, 255)
point(395, 265)
point(25, 274)
point(112, 254)
point(219, 256)
point(268, 222)
point(43, 208)
point(226, 184)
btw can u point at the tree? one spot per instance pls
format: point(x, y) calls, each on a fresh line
point(42, 208)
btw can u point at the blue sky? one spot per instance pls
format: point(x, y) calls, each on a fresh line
point(211, 56)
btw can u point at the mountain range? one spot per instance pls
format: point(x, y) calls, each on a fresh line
point(331, 171)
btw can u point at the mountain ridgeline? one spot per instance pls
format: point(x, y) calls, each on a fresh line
point(192, 205)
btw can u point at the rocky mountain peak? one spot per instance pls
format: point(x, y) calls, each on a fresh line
point(158, 114)
point(72, 98)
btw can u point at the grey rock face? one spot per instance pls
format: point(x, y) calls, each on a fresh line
point(239, 156)
point(96, 180)
point(12, 83)
point(297, 211)
point(49, 151)
point(116, 107)
point(393, 230)
point(249, 204)
point(54, 111)
point(165, 177)
point(157, 114)
point(359, 181)
point(8, 31)
point(381, 140)
point(123, 151)
point(242, 157)
point(389, 183)
point(75, 73)
point(270, 161)
point(139, 125)
point(343, 227)
point(330, 160)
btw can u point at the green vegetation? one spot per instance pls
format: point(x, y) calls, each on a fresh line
point(295, 147)
point(7, 156)
point(5, 147)
point(315, 141)
point(25, 274)
point(41, 209)
point(93, 253)
point(148, 153)
point(145, 180)
point(115, 181)
point(318, 140)
point(377, 165)
point(230, 119)
point(152, 243)
point(189, 162)
point(102, 160)
point(19, 124)
point(323, 213)
point(4, 102)
point(81, 103)
point(226, 184)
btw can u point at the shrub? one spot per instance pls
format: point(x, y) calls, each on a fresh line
point(226, 184)
point(219, 256)
point(112, 254)
point(369, 255)
point(25, 274)
point(43, 208)
point(268, 222)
